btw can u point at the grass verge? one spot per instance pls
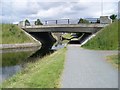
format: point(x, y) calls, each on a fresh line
point(0, 33)
point(12, 34)
point(44, 73)
point(67, 36)
point(114, 60)
point(106, 39)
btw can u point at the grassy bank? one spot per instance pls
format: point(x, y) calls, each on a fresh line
point(114, 60)
point(67, 36)
point(12, 59)
point(0, 33)
point(106, 39)
point(44, 73)
point(12, 34)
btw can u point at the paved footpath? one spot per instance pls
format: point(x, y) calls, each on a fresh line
point(88, 69)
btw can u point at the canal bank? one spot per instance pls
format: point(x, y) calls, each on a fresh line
point(26, 65)
point(48, 68)
point(14, 60)
point(22, 45)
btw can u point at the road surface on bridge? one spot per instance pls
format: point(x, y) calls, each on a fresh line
point(88, 69)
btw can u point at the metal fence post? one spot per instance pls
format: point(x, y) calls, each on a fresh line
point(46, 22)
point(56, 21)
point(68, 21)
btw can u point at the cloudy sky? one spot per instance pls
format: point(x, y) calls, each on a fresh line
point(17, 10)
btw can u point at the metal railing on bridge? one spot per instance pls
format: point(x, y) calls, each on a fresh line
point(61, 21)
point(69, 21)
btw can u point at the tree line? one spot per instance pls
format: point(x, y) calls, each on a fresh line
point(113, 17)
point(37, 22)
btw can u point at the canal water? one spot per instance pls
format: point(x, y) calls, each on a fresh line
point(14, 60)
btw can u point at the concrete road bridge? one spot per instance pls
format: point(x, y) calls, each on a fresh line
point(43, 32)
point(86, 28)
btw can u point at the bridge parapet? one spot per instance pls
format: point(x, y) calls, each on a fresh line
point(101, 20)
point(60, 21)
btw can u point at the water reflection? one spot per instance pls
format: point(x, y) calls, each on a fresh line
point(39, 54)
point(8, 71)
point(14, 61)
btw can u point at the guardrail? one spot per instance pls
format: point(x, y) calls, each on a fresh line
point(60, 21)
point(69, 21)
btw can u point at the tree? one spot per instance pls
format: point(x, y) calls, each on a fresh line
point(113, 17)
point(27, 23)
point(83, 21)
point(38, 22)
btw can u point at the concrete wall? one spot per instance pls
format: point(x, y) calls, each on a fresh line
point(21, 23)
point(59, 37)
point(105, 20)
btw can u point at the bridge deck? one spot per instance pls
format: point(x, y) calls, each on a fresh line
point(65, 28)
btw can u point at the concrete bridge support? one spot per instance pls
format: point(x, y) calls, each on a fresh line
point(81, 38)
point(84, 37)
point(45, 38)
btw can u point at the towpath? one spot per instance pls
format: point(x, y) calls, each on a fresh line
point(88, 69)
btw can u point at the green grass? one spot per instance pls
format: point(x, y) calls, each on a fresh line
point(0, 33)
point(44, 73)
point(114, 59)
point(65, 41)
point(67, 36)
point(106, 39)
point(12, 34)
point(11, 59)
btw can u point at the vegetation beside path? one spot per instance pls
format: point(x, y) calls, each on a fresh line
point(12, 34)
point(44, 73)
point(114, 59)
point(0, 33)
point(106, 39)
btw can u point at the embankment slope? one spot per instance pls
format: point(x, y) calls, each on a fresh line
point(106, 39)
point(12, 34)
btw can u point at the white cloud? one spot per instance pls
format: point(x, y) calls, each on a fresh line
point(16, 10)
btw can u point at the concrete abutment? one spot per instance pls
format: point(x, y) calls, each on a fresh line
point(45, 38)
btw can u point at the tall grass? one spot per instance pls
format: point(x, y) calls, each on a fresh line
point(106, 39)
point(11, 59)
point(44, 73)
point(12, 34)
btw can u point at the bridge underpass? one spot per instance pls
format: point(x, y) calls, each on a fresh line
point(80, 38)
point(43, 32)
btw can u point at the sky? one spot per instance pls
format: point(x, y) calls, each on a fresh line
point(13, 11)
